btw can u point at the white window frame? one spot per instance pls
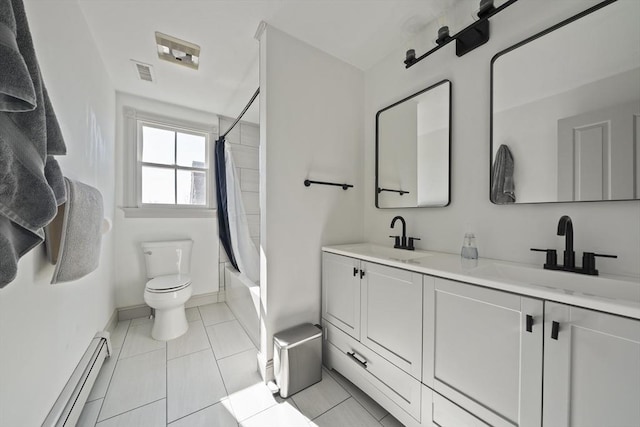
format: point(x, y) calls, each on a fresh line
point(133, 207)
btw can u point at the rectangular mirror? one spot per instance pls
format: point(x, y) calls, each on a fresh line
point(413, 144)
point(565, 111)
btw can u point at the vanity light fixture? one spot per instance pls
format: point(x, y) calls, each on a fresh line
point(466, 39)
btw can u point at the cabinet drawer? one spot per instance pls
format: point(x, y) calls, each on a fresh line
point(397, 385)
point(448, 414)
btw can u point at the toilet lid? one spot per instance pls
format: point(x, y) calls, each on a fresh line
point(168, 283)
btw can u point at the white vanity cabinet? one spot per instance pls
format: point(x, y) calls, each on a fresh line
point(591, 368)
point(372, 318)
point(483, 352)
point(439, 345)
point(377, 305)
point(341, 292)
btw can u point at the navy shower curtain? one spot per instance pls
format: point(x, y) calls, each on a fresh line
point(221, 193)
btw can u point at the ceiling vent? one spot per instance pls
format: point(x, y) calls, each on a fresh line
point(178, 51)
point(145, 71)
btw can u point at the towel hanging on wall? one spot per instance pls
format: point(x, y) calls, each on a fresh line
point(31, 183)
point(74, 237)
point(503, 189)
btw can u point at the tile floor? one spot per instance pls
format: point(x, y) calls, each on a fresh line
point(208, 377)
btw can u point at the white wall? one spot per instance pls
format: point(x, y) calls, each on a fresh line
point(503, 232)
point(310, 127)
point(130, 232)
point(45, 329)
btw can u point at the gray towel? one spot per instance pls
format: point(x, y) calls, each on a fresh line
point(31, 184)
point(73, 242)
point(503, 189)
point(16, 87)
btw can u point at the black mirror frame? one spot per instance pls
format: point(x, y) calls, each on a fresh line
point(377, 185)
point(509, 49)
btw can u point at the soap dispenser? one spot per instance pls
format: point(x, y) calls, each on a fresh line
point(469, 249)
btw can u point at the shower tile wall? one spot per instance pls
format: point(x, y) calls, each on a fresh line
point(244, 141)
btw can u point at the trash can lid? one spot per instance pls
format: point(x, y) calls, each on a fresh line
point(297, 335)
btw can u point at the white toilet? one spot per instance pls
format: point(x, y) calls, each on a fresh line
point(170, 286)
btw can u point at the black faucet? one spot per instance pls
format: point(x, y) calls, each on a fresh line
point(401, 241)
point(404, 232)
point(565, 228)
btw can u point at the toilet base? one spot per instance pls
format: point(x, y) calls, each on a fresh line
point(169, 324)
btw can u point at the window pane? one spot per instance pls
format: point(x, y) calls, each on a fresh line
point(158, 146)
point(192, 188)
point(158, 185)
point(191, 150)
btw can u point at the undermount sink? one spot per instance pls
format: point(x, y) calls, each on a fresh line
point(570, 283)
point(368, 249)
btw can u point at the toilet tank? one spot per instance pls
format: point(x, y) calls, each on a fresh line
point(167, 257)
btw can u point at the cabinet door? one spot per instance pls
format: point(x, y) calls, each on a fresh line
point(341, 292)
point(591, 368)
point(392, 316)
point(483, 354)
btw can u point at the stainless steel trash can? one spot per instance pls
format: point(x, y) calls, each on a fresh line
point(297, 358)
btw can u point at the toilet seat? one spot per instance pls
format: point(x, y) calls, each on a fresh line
point(168, 283)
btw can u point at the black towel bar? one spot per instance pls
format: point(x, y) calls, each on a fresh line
point(308, 182)
point(380, 190)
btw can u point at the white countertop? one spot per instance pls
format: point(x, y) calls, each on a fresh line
point(612, 294)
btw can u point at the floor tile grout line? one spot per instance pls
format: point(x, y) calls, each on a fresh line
point(190, 354)
point(224, 321)
point(125, 332)
point(339, 403)
point(197, 309)
point(126, 412)
point(191, 413)
point(243, 330)
point(149, 351)
point(196, 351)
point(220, 372)
point(235, 354)
point(219, 402)
point(129, 325)
point(140, 354)
point(356, 399)
point(338, 382)
point(111, 379)
point(115, 363)
point(224, 384)
point(275, 402)
point(106, 392)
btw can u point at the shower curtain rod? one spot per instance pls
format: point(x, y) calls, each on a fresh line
point(253, 98)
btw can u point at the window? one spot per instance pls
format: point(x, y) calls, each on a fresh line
point(173, 167)
point(169, 172)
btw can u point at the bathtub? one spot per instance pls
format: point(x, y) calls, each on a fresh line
point(243, 298)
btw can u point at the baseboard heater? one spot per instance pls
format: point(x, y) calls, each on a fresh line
point(67, 409)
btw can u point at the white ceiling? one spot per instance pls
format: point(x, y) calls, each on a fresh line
point(360, 32)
